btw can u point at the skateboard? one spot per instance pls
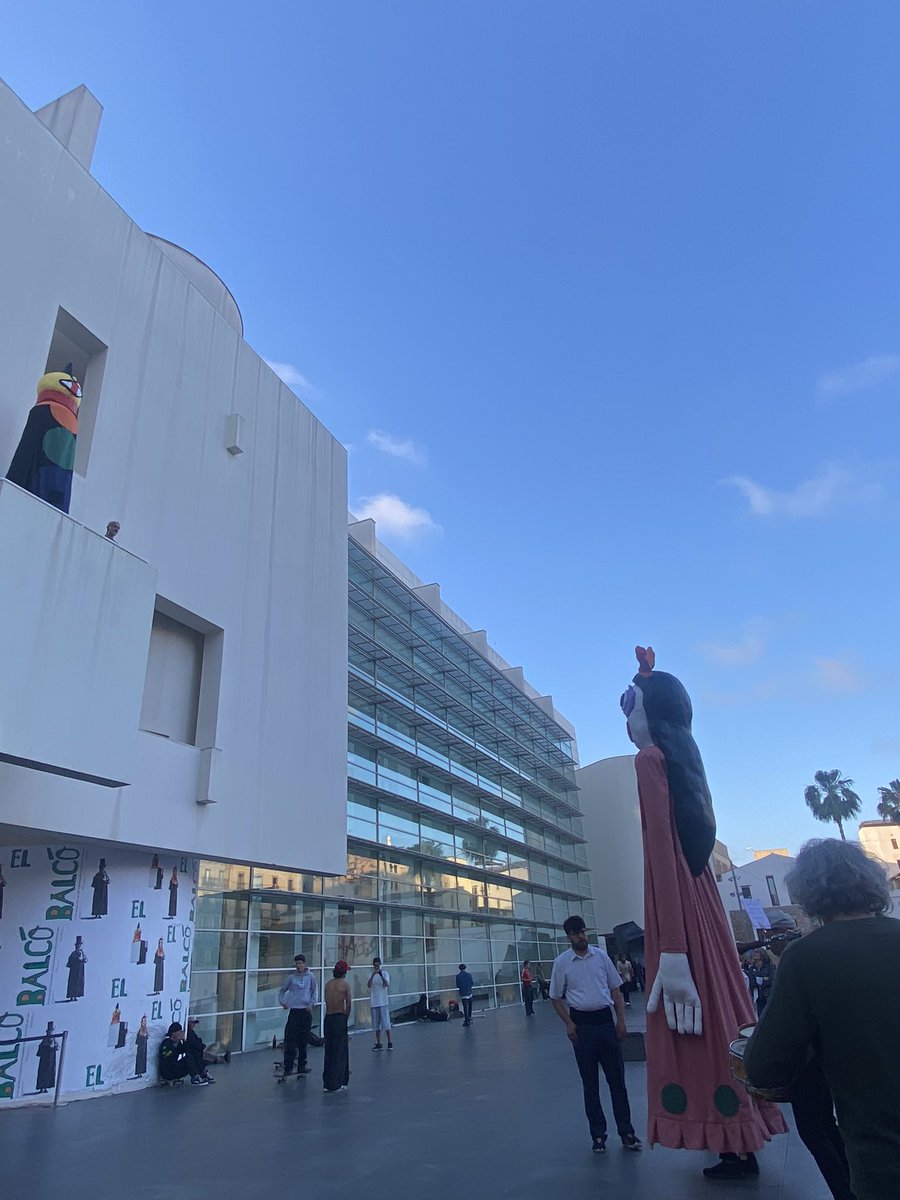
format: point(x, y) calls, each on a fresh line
point(281, 1077)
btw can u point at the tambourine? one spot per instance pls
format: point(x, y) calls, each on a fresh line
point(775, 1095)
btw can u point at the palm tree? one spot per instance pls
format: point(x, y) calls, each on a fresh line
point(832, 798)
point(889, 804)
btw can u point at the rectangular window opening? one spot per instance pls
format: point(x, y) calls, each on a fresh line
point(181, 686)
point(72, 343)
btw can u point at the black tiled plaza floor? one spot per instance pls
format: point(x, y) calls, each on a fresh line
point(486, 1113)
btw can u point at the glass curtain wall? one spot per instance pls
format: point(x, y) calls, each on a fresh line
point(464, 838)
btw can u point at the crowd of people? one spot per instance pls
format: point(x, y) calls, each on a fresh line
point(830, 1050)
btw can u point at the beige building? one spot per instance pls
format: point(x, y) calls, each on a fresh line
point(881, 839)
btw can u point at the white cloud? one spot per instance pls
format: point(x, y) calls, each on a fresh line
point(290, 375)
point(749, 647)
point(812, 498)
point(394, 516)
point(840, 675)
point(866, 374)
point(397, 447)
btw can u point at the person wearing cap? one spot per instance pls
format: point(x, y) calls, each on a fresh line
point(585, 987)
point(176, 1061)
point(299, 994)
point(336, 1069)
point(199, 1048)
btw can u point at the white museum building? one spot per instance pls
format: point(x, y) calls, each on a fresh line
point(178, 691)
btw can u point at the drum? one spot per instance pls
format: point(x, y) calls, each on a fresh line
point(736, 1057)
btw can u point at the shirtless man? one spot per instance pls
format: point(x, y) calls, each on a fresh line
point(336, 1071)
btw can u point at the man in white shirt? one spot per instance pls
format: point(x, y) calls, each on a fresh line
point(379, 985)
point(584, 987)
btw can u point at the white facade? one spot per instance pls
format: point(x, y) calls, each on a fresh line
point(611, 815)
point(881, 839)
point(762, 880)
point(242, 753)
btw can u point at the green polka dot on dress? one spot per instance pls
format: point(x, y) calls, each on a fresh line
point(674, 1098)
point(726, 1101)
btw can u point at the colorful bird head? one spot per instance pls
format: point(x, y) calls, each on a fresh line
point(64, 384)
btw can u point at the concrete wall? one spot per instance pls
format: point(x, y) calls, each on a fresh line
point(612, 827)
point(252, 545)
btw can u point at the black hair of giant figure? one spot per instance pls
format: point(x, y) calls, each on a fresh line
point(668, 710)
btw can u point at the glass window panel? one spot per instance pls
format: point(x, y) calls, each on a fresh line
point(403, 950)
point(538, 870)
point(442, 976)
point(356, 827)
point(220, 910)
point(286, 914)
point(361, 806)
point(220, 1032)
point(400, 838)
point(357, 949)
point(523, 906)
point(218, 951)
point(353, 887)
point(397, 923)
point(439, 888)
point(400, 890)
point(264, 1025)
point(213, 992)
point(390, 781)
point(398, 818)
point(350, 919)
point(362, 715)
point(275, 951)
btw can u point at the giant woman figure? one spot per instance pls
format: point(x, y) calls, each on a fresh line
point(697, 999)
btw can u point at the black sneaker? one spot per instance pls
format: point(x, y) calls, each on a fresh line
point(731, 1166)
point(630, 1141)
point(304, 1070)
point(599, 1144)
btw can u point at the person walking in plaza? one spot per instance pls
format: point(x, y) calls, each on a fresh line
point(855, 1034)
point(465, 985)
point(336, 1068)
point(585, 987)
point(299, 994)
point(623, 966)
point(379, 1002)
point(528, 988)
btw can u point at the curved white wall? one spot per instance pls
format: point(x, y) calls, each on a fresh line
point(612, 825)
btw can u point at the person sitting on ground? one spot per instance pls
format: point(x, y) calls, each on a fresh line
point(199, 1048)
point(176, 1060)
point(855, 1033)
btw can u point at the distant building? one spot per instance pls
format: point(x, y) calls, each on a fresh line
point(762, 880)
point(721, 860)
point(881, 839)
point(763, 853)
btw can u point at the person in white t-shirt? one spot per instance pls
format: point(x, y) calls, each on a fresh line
point(379, 1002)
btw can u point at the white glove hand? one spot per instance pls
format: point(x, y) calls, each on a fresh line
point(680, 999)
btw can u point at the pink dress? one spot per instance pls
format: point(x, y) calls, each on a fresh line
point(693, 1102)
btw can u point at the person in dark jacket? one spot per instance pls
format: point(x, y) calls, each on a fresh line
point(199, 1048)
point(465, 985)
point(176, 1061)
point(811, 1013)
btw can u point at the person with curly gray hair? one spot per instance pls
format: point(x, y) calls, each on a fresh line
point(814, 1009)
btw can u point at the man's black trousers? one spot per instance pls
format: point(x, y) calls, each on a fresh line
point(296, 1035)
point(598, 1046)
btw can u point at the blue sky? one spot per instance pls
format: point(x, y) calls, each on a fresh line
point(604, 300)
